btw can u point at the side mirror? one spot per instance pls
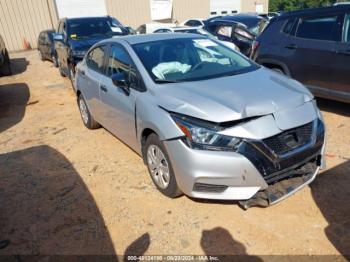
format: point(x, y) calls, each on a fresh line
point(58, 37)
point(120, 80)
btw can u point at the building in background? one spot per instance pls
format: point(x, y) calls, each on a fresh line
point(22, 20)
point(229, 7)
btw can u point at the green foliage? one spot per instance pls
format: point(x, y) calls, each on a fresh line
point(290, 5)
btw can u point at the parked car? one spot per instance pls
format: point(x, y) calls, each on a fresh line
point(312, 46)
point(234, 32)
point(151, 27)
point(270, 15)
point(5, 65)
point(195, 30)
point(46, 47)
point(130, 30)
point(208, 122)
point(74, 37)
point(254, 23)
point(195, 22)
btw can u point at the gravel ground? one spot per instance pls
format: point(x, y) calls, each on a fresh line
point(67, 190)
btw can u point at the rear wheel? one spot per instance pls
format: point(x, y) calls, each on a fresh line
point(160, 168)
point(72, 75)
point(87, 118)
point(278, 70)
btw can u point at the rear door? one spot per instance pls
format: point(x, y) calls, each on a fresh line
point(90, 80)
point(341, 64)
point(310, 53)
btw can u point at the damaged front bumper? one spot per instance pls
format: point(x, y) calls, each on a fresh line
point(255, 174)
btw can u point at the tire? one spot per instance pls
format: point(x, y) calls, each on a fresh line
point(86, 117)
point(72, 75)
point(60, 68)
point(166, 184)
point(41, 57)
point(278, 70)
point(54, 60)
point(5, 69)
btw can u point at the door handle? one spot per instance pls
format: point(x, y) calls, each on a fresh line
point(343, 52)
point(292, 46)
point(104, 88)
point(82, 72)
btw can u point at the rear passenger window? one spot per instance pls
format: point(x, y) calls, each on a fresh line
point(95, 59)
point(318, 28)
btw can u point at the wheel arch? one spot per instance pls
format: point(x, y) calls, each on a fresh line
point(273, 63)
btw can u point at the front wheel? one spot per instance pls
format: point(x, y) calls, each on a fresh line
point(72, 75)
point(160, 168)
point(54, 60)
point(62, 73)
point(87, 118)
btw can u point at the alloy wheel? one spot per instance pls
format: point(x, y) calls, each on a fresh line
point(158, 166)
point(83, 111)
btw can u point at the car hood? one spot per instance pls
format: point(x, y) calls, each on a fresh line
point(231, 98)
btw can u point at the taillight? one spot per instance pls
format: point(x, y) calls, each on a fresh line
point(255, 45)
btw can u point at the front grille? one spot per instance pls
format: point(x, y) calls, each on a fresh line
point(272, 166)
point(290, 140)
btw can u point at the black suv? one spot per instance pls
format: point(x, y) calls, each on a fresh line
point(75, 36)
point(5, 66)
point(312, 46)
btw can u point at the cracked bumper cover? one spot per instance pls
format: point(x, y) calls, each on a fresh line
point(241, 175)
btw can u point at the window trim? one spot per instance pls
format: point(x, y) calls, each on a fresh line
point(142, 87)
point(343, 40)
point(300, 19)
point(104, 59)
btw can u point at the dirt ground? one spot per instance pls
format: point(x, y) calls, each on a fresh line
point(67, 190)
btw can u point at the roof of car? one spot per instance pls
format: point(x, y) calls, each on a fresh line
point(144, 38)
point(311, 11)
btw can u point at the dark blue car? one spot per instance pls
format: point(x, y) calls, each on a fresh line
point(46, 46)
point(75, 36)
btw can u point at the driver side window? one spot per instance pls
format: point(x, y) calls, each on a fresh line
point(119, 61)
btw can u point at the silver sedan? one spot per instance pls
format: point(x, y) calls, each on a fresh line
point(208, 122)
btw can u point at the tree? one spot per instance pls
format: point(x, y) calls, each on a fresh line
point(290, 5)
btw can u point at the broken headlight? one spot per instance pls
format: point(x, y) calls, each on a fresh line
point(204, 135)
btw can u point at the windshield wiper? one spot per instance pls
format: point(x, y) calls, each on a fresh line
point(165, 81)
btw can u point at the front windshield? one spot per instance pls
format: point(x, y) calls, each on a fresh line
point(188, 59)
point(90, 28)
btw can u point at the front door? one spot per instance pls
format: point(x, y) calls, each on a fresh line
point(119, 106)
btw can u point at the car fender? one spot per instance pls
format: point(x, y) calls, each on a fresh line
point(149, 115)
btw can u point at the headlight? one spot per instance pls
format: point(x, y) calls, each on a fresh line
point(204, 135)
